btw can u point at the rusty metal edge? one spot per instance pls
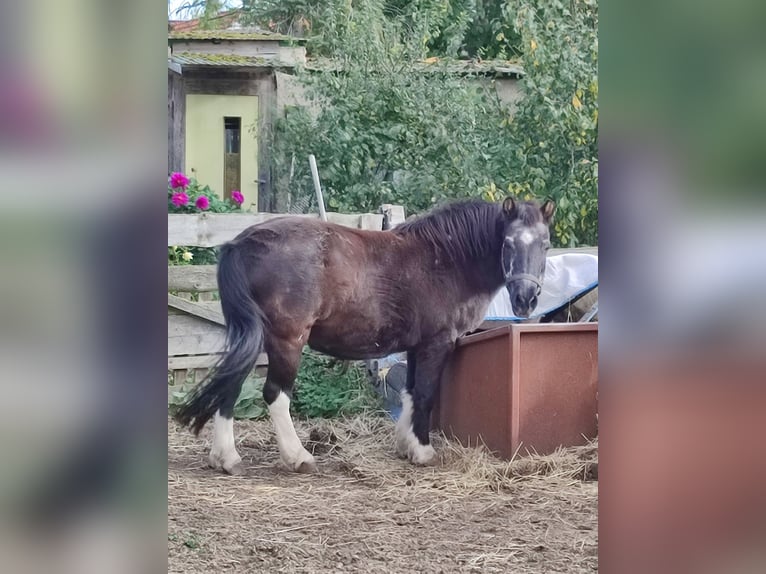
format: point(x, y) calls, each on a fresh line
point(514, 354)
point(527, 328)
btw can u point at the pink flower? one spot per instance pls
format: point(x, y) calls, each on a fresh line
point(178, 180)
point(237, 197)
point(179, 198)
point(202, 202)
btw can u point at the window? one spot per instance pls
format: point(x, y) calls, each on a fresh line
point(231, 128)
point(231, 154)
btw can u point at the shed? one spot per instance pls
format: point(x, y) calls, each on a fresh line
point(222, 91)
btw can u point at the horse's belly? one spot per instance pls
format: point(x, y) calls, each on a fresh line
point(357, 345)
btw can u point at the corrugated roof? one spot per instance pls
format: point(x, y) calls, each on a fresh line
point(482, 67)
point(485, 67)
point(192, 59)
point(243, 34)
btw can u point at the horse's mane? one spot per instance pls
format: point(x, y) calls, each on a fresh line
point(462, 229)
point(466, 229)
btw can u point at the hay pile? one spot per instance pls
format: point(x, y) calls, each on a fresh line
point(366, 510)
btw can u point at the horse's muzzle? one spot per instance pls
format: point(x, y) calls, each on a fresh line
point(523, 296)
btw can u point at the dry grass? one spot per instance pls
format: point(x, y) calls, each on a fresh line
point(366, 510)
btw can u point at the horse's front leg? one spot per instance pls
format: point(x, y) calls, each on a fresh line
point(424, 371)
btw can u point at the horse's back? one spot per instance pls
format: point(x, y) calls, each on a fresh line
point(306, 270)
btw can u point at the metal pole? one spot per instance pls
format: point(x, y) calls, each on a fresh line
point(317, 186)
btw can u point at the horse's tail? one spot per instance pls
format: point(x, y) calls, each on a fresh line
point(244, 342)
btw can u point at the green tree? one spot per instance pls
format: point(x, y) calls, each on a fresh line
point(389, 129)
point(555, 129)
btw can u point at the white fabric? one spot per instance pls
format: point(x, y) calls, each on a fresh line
point(566, 276)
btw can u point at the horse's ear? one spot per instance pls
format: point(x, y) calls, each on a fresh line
point(509, 207)
point(548, 209)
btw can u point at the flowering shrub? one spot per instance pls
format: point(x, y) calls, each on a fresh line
point(179, 199)
point(202, 202)
point(186, 195)
point(178, 180)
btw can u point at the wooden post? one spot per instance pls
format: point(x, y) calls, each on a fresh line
point(393, 215)
point(317, 186)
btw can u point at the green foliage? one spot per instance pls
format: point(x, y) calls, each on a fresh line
point(393, 135)
point(250, 403)
point(555, 129)
point(390, 130)
point(490, 34)
point(451, 28)
point(324, 387)
point(193, 192)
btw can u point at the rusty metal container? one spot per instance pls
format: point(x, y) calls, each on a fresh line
point(522, 387)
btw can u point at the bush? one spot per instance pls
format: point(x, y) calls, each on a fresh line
point(555, 128)
point(186, 195)
point(324, 388)
point(391, 129)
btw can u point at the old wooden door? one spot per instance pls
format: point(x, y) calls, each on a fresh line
point(221, 143)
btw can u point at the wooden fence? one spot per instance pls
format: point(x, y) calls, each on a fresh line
point(196, 330)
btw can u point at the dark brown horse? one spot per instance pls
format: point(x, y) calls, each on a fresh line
point(359, 295)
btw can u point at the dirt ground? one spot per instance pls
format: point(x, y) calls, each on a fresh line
point(368, 511)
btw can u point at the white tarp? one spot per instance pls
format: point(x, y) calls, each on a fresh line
point(566, 276)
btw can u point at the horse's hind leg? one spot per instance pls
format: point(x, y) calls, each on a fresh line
point(284, 360)
point(424, 372)
point(223, 454)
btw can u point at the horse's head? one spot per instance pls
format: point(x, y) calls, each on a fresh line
point(525, 243)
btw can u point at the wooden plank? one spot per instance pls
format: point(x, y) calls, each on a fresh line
point(195, 309)
point(189, 335)
point(193, 362)
point(191, 325)
point(393, 213)
point(371, 221)
point(212, 229)
point(196, 344)
point(198, 278)
point(205, 361)
point(213, 305)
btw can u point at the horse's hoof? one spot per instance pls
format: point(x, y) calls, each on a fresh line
point(235, 469)
point(307, 467)
point(232, 466)
point(423, 455)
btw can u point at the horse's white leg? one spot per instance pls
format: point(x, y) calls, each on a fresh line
point(291, 451)
point(407, 444)
point(403, 431)
point(224, 454)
